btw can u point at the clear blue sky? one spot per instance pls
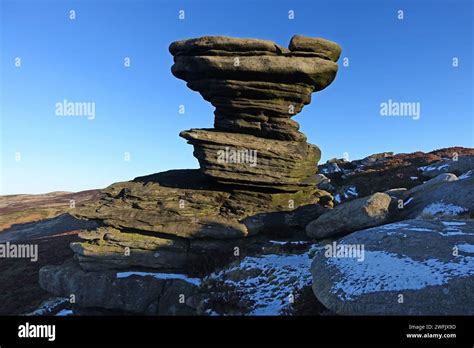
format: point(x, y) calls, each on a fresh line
point(137, 108)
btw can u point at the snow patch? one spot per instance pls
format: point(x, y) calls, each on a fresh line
point(430, 168)
point(453, 229)
point(277, 277)
point(394, 226)
point(466, 175)
point(453, 223)
point(396, 233)
point(352, 191)
point(467, 248)
point(294, 242)
point(159, 275)
point(383, 271)
point(50, 306)
point(443, 208)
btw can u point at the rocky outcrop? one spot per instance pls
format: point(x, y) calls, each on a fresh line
point(256, 87)
point(351, 216)
point(456, 166)
point(384, 171)
point(257, 174)
point(413, 267)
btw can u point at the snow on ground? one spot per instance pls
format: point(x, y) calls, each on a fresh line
point(441, 208)
point(433, 167)
point(398, 233)
point(160, 275)
point(453, 223)
point(285, 242)
point(467, 248)
point(466, 175)
point(383, 271)
point(419, 229)
point(270, 280)
point(394, 226)
point(453, 229)
point(352, 190)
point(50, 306)
point(64, 312)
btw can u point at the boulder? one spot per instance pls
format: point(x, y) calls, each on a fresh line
point(351, 216)
point(446, 177)
point(442, 196)
point(136, 292)
point(412, 267)
point(324, 48)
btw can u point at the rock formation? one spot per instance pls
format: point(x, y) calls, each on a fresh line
point(256, 168)
point(379, 172)
point(352, 216)
point(256, 87)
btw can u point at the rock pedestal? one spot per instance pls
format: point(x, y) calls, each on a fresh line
point(257, 172)
point(256, 87)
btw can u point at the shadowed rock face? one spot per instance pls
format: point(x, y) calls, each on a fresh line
point(256, 87)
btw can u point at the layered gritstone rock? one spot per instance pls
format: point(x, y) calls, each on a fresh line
point(247, 160)
point(256, 87)
point(257, 175)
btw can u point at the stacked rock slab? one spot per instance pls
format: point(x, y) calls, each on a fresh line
point(254, 164)
point(256, 87)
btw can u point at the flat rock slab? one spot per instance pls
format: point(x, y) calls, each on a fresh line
point(242, 159)
point(45, 228)
point(413, 267)
point(205, 44)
